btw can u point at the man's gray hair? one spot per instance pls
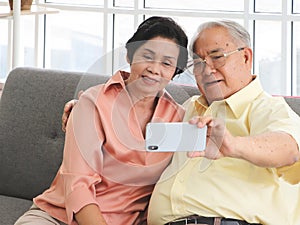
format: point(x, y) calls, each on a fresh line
point(239, 34)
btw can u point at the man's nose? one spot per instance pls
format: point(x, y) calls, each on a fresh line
point(209, 68)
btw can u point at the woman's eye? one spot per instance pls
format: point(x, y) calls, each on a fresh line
point(167, 63)
point(148, 57)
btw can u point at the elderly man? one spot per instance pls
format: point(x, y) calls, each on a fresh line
point(248, 172)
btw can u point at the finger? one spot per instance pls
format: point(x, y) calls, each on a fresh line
point(66, 112)
point(63, 127)
point(80, 93)
point(64, 120)
point(194, 120)
point(64, 117)
point(69, 105)
point(201, 121)
point(195, 154)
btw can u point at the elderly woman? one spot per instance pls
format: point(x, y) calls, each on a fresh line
point(106, 176)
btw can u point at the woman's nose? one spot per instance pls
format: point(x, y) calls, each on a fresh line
point(154, 67)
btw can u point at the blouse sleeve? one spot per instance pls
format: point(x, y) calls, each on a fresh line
point(82, 150)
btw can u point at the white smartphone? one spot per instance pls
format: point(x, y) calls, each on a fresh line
point(177, 136)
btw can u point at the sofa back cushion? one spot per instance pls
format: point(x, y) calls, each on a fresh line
point(31, 140)
point(294, 103)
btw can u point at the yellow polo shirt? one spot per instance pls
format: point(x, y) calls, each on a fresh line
point(229, 187)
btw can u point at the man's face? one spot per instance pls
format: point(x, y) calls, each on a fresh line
point(220, 83)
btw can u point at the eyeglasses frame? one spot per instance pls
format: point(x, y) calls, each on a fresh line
point(204, 61)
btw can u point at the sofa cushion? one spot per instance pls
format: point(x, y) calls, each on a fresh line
point(182, 92)
point(293, 103)
point(31, 140)
point(12, 208)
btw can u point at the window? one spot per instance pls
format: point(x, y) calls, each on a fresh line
point(296, 6)
point(89, 35)
point(296, 58)
point(28, 44)
point(124, 3)
point(73, 40)
point(268, 55)
point(263, 6)
point(4, 39)
point(77, 2)
point(206, 5)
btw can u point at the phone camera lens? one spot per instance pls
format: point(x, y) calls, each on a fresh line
point(153, 147)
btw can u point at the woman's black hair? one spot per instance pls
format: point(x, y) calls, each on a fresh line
point(164, 27)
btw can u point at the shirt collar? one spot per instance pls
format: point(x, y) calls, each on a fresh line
point(238, 101)
point(119, 78)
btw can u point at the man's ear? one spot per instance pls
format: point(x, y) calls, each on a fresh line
point(248, 56)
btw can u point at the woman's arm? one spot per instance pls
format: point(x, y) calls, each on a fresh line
point(82, 154)
point(90, 215)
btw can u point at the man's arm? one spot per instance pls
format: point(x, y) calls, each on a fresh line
point(271, 149)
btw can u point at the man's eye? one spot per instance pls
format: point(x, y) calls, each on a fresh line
point(216, 57)
point(198, 62)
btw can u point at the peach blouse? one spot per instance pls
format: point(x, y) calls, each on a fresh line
point(105, 162)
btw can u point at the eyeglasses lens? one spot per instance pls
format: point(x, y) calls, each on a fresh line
point(215, 60)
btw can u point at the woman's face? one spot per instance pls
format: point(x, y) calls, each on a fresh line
point(153, 66)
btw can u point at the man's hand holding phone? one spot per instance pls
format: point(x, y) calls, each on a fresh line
point(220, 142)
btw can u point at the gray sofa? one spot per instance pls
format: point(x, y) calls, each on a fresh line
point(31, 140)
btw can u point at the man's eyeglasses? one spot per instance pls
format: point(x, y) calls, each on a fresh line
point(215, 60)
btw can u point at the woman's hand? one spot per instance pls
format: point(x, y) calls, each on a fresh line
point(67, 110)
